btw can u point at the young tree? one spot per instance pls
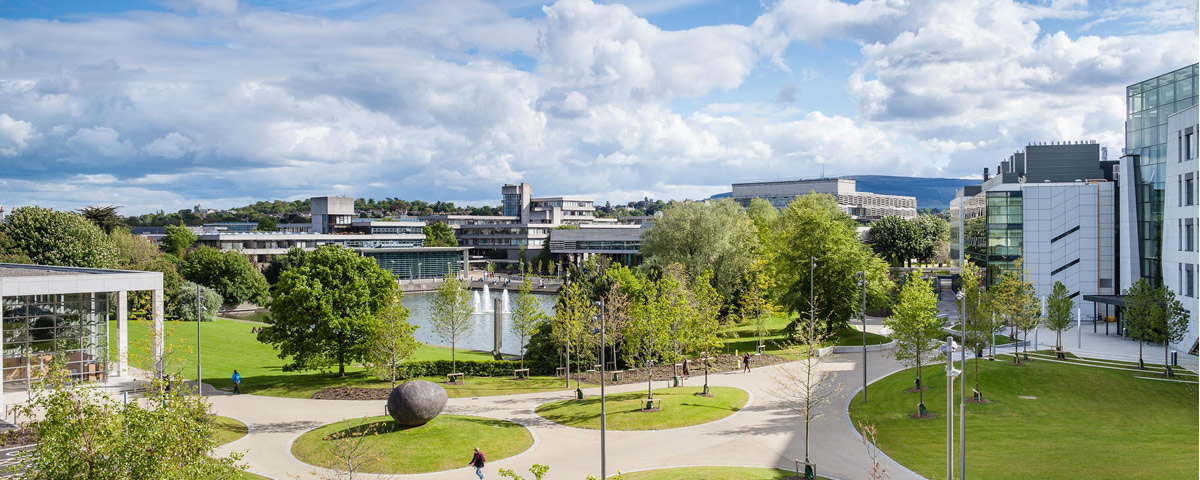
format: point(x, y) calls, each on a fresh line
point(450, 315)
point(915, 325)
point(870, 440)
point(184, 307)
point(526, 315)
point(646, 333)
point(83, 433)
point(676, 307)
point(805, 384)
point(352, 450)
point(1016, 299)
point(1058, 312)
point(178, 239)
point(572, 313)
point(392, 341)
point(229, 273)
point(755, 301)
point(706, 328)
point(323, 311)
point(68, 239)
point(1171, 326)
point(1154, 314)
point(976, 307)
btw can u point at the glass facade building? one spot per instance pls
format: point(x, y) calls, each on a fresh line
point(423, 263)
point(1148, 104)
point(39, 328)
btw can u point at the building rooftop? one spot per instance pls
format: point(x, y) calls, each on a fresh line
point(20, 270)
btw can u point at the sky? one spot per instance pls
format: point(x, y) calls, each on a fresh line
point(166, 104)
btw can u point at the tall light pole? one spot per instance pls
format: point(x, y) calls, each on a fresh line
point(199, 308)
point(962, 389)
point(603, 416)
point(951, 373)
point(862, 279)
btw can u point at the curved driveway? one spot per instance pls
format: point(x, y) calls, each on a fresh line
point(764, 433)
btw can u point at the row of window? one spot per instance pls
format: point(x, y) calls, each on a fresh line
point(1187, 189)
point(1187, 279)
point(1187, 234)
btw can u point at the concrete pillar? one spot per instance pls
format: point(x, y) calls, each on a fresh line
point(122, 333)
point(3, 404)
point(157, 302)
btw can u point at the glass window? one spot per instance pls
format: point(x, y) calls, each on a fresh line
point(1166, 94)
point(1184, 90)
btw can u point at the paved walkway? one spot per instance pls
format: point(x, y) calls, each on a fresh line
point(764, 433)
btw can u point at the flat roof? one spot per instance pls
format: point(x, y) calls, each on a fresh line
point(1118, 300)
point(21, 270)
point(17, 279)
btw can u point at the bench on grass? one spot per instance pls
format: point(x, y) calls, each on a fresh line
point(521, 373)
point(451, 376)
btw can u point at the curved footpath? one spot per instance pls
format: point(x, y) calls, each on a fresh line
point(764, 433)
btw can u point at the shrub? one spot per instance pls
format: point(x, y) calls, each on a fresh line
point(470, 368)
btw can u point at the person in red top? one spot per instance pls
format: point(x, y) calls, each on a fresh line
point(477, 461)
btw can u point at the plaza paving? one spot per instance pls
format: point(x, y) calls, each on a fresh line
point(763, 434)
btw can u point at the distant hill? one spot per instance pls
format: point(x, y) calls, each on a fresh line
point(930, 192)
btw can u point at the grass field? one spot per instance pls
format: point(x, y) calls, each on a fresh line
point(745, 336)
point(1077, 420)
point(712, 473)
point(229, 429)
point(442, 444)
point(229, 345)
point(624, 410)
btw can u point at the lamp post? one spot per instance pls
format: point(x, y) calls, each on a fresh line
point(862, 280)
point(419, 264)
point(951, 374)
point(603, 416)
point(962, 389)
point(199, 308)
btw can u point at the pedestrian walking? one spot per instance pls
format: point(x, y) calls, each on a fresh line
point(237, 382)
point(746, 362)
point(477, 461)
point(685, 368)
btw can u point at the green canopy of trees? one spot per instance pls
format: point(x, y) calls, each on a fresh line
point(229, 273)
point(48, 237)
point(705, 236)
point(324, 310)
point(439, 234)
point(178, 239)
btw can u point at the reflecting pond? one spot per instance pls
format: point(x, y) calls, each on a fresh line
point(480, 335)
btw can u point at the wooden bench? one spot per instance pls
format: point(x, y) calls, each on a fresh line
point(1059, 353)
point(451, 376)
point(521, 373)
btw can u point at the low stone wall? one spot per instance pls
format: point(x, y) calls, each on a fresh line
point(859, 348)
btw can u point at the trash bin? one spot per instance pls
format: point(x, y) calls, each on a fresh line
point(579, 394)
point(675, 381)
point(1175, 358)
point(810, 472)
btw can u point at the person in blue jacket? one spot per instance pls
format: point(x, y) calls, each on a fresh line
point(237, 382)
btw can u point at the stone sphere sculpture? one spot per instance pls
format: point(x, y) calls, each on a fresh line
point(416, 402)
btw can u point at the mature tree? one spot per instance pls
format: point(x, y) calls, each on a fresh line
point(717, 236)
point(179, 238)
point(10, 252)
point(392, 341)
point(706, 331)
point(281, 263)
point(897, 239)
point(755, 302)
point(805, 385)
point(765, 217)
point(229, 273)
point(915, 325)
point(1154, 314)
point(84, 433)
point(439, 234)
point(935, 238)
point(132, 249)
point(814, 226)
point(647, 332)
point(1058, 312)
point(1016, 300)
point(322, 312)
point(267, 224)
point(68, 239)
point(104, 217)
point(527, 314)
point(184, 307)
point(450, 315)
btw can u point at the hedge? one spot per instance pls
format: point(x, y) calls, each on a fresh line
point(471, 368)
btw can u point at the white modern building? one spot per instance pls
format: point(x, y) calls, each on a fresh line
point(622, 243)
point(865, 207)
point(1051, 206)
point(1181, 216)
point(63, 312)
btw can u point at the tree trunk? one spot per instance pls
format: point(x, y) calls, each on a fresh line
point(1141, 363)
point(341, 363)
point(649, 380)
point(453, 365)
point(920, 391)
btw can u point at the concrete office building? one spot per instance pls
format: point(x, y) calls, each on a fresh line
point(1143, 169)
point(862, 206)
point(1181, 216)
point(525, 224)
point(63, 312)
point(395, 244)
point(1051, 206)
point(621, 243)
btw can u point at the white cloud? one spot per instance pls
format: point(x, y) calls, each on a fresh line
point(102, 141)
point(15, 135)
point(172, 146)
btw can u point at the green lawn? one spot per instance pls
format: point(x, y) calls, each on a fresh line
point(444, 443)
point(744, 336)
point(229, 345)
point(244, 475)
point(682, 408)
point(712, 473)
point(1081, 417)
point(229, 429)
